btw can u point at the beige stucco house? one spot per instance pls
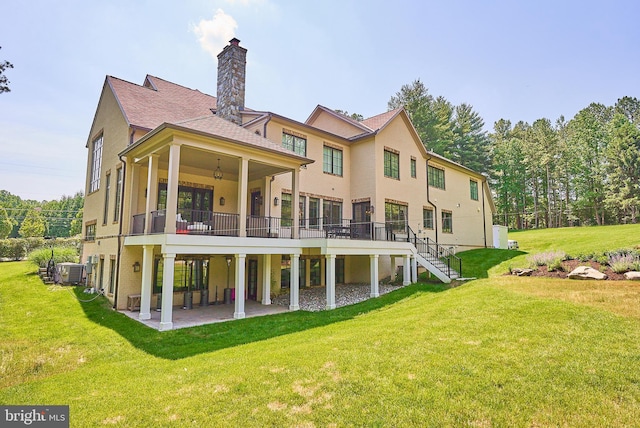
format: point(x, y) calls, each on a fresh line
point(186, 191)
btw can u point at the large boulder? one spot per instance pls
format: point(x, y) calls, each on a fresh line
point(633, 276)
point(586, 272)
point(521, 272)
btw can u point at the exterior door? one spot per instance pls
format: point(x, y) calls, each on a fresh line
point(361, 222)
point(256, 203)
point(252, 286)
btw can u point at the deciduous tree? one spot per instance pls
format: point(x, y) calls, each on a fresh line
point(33, 225)
point(6, 223)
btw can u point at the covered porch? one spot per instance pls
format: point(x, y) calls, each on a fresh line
point(181, 182)
point(250, 272)
point(201, 315)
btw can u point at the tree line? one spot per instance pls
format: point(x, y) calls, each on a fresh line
point(29, 218)
point(582, 171)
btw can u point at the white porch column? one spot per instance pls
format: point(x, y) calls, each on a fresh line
point(406, 272)
point(294, 283)
point(152, 192)
point(166, 313)
point(145, 289)
point(295, 191)
point(243, 185)
point(172, 189)
point(331, 281)
point(239, 259)
point(266, 279)
point(414, 270)
point(375, 283)
point(307, 272)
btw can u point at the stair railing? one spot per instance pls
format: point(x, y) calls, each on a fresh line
point(432, 251)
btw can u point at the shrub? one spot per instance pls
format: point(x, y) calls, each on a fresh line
point(18, 248)
point(552, 259)
point(621, 263)
point(12, 248)
point(555, 265)
point(41, 256)
point(584, 257)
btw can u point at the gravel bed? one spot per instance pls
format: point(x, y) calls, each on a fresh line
point(315, 298)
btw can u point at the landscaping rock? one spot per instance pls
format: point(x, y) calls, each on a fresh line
point(586, 272)
point(633, 276)
point(521, 272)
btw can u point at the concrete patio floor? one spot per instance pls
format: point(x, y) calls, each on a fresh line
point(201, 315)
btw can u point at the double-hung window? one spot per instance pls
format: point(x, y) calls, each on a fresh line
point(107, 190)
point(96, 164)
point(473, 187)
point(332, 160)
point(436, 177)
point(427, 218)
point(295, 143)
point(447, 222)
point(116, 208)
point(90, 232)
point(391, 164)
point(413, 167)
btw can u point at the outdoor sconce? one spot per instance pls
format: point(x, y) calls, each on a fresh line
point(222, 201)
point(275, 201)
point(371, 210)
point(228, 259)
point(136, 267)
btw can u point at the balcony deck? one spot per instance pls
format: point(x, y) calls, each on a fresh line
point(225, 224)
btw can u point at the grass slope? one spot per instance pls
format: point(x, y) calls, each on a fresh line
point(481, 354)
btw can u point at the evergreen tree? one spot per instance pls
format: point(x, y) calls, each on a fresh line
point(623, 155)
point(588, 133)
point(471, 146)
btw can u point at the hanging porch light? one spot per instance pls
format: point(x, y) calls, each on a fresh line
point(217, 174)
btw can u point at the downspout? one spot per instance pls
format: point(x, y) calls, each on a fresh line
point(435, 208)
point(264, 131)
point(273, 177)
point(124, 176)
point(484, 225)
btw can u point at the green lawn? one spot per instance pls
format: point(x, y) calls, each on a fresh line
point(497, 351)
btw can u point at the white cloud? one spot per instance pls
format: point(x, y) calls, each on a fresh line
point(214, 34)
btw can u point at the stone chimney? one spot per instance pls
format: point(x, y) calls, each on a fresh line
point(232, 62)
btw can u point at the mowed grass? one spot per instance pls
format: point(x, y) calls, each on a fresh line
point(498, 351)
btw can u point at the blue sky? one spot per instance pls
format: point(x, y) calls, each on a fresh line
point(509, 59)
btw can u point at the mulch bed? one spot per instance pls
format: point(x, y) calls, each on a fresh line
point(570, 265)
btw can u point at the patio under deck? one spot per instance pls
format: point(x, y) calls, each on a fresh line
point(201, 315)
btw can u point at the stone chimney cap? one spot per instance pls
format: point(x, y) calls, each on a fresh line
point(234, 41)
